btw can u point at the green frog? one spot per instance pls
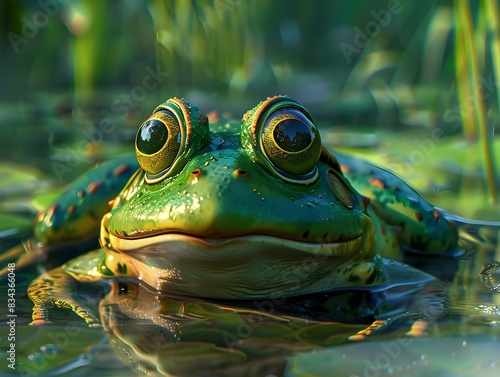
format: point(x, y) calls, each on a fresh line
point(235, 210)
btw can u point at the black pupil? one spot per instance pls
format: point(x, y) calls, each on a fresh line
point(293, 135)
point(152, 136)
point(122, 289)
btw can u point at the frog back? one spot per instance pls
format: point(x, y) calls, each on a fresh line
point(404, 219)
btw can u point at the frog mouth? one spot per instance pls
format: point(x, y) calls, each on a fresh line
point(244, 267)
point(176, 243)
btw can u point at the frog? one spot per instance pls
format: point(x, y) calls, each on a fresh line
point(222, 209)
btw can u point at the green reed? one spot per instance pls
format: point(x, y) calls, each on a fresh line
point(468, 74)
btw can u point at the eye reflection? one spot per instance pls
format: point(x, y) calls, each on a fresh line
point(152, 136)
point(292, 135)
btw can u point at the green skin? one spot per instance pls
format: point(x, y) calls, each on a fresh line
point(225, 213)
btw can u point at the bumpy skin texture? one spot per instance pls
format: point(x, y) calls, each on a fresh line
point(76, 214)
point(231, 218)
point(415, 224)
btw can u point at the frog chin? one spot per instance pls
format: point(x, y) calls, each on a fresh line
point(247, 267)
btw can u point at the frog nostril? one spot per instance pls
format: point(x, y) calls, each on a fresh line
point(240, 173)
point(196, 173)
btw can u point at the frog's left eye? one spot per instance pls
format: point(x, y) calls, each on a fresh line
point(158, 142)
point(291, 141)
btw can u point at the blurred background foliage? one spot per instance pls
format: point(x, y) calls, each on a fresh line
point(382, 77)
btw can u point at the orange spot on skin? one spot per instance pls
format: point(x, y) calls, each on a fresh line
point(345, 169)
point(195, 174)
point(80, 193)
point(52, 209)
point(93, 187)
point(120, 169)
point(240, 173)
point(436, 215)
point(47, 219)
point(71, 209)
point(111, 202)
point(418, 216)
point(376, 182)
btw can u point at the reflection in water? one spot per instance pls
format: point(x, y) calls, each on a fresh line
point(165, 335)
point(171, 335)
point(488, 276)
point(168, 335)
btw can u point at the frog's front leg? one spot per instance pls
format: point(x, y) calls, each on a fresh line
point(78, 285)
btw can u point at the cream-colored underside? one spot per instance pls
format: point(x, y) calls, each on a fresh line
point(246, 267)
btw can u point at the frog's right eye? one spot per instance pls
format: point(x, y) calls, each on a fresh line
point(158, 142)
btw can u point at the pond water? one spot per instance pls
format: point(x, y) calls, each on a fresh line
point(430, 329)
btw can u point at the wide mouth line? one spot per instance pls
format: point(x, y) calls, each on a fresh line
point(257, 240)
point(219, 238)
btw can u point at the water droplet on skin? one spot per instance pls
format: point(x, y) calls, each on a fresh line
point(50, 349)
point(36, 357)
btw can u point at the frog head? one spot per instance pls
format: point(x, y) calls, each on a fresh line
point(240, 210)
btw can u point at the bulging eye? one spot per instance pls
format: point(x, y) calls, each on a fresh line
point(152, 136)
point(158, 142)
point(291, 141)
